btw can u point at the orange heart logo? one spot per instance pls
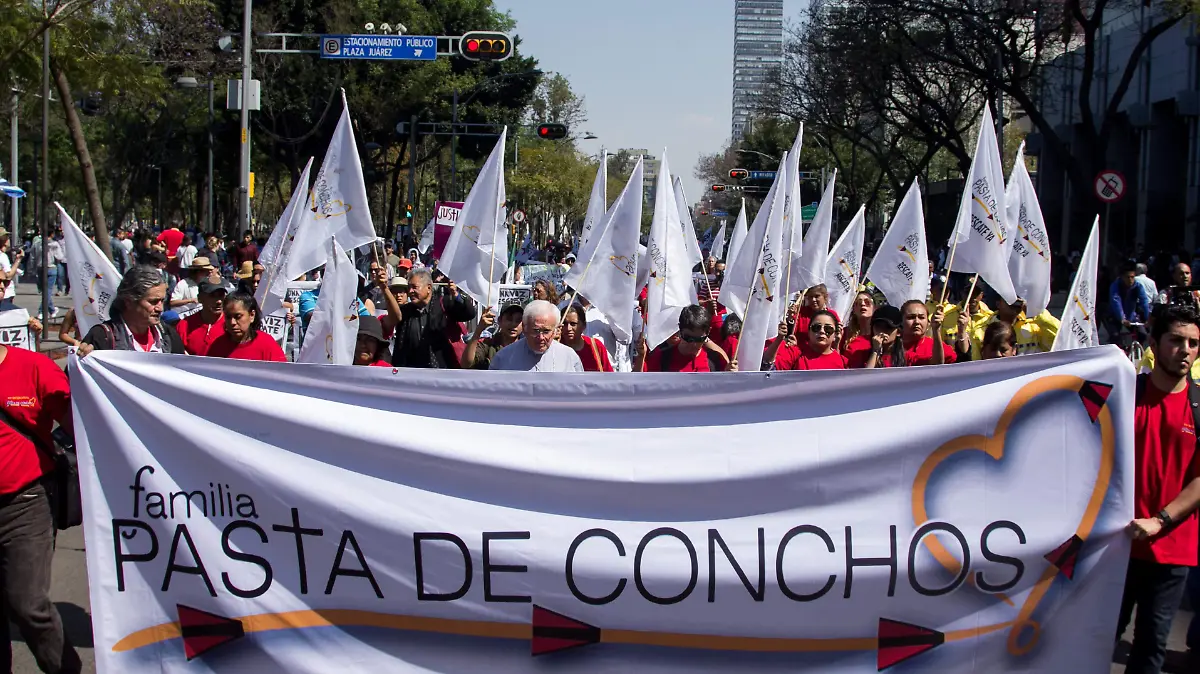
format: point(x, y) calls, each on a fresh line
point(334, 209)
point(1094, 395)
point(623, 263)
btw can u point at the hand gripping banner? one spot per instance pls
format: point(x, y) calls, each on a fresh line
point(268, 517)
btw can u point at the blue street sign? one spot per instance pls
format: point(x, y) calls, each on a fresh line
point(383, 47)
point(720, 214)
point(761, 175)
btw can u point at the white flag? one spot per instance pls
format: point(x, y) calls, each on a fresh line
point(426, 241)
point(793, 225)
point(671, 287)
point(762, 311)
point(595, 211)
point(1078, 326)
point(900, 268)
point(337, 204)
point(741, 273)
point(272, 288)
point(844, 265)
point(333, 328)
point(740, 228)
point(643, 267)
point(1029, 264)
point(981, 242)
point(608, 277)
point(718, 245)
point(816, 243)
point(94, 279)
point(685, 224)
point(476, 254)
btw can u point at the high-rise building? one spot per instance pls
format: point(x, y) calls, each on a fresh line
point(757, 50)
point(649, 172)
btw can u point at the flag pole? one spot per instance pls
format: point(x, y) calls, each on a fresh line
point(949, 266)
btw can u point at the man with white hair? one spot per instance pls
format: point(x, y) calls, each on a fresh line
point(538, 351)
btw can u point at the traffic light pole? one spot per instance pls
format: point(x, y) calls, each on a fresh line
point(454, 148)
point(244, 172)
point(412, 174)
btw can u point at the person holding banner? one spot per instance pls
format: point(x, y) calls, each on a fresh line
point(818, 352)
point(538, 352)
point(591, 352)
point(136, 317)
point(34, 394)
point(1033, 335)
point(856, 336)
point(816, 299)
point(999, 341)
point(1166, 536)
point(371, 348)
point(243, 338)
point(478, 353)
point(688, 350)
point(199, 330)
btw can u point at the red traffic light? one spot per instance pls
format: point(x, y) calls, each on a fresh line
point(551, 131)
point(483, 46)
point(738, 174)
point(718, 188)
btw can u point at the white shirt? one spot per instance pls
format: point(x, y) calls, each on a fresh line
point(600, 329)
point(6, 266)
point(186, 255)
point(186, 289)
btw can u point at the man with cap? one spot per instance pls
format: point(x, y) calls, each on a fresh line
point(480, 350)
point(185, 297)
point(199, 330)
point(371, 348)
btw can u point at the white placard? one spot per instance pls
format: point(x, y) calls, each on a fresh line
point(14, 329)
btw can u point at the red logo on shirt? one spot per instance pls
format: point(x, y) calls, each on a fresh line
point(21, 401)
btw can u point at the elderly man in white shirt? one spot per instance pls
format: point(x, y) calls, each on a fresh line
point(538, 351)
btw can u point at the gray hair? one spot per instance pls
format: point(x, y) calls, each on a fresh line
point(134, 286)
point(421, 275)
point(1141, 269)
point(539, 309)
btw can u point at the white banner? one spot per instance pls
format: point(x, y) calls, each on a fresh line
point(532, 273)
point(282, 524)
point(14, 329)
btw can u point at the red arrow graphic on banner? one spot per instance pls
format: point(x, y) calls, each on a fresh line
point(547, 632)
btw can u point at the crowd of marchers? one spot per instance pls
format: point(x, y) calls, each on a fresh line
point(177, 297)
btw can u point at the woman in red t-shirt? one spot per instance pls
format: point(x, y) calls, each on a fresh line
point(819, 352)
point(243, 339)
point(593, 356)
point(856, 337)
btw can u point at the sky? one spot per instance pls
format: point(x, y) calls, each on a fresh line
point(654, 74)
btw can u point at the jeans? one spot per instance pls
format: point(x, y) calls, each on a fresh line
point(64, 279)
point(1193, 593)
point(26, 551)
point(1156, 590)
point(51, 284)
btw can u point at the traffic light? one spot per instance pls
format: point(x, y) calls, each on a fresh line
point(483, 46)
point(718, 188)
point(551, 131)
point(738, 174)
point(408, 211)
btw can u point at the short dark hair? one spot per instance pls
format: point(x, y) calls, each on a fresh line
point(824, 312)
point(1167, 315)
point(512, 309)
point(731, 326)
point(1127, 266)
point(579, 313)
point(250, 304)
point(997, 334)
point(695, 317)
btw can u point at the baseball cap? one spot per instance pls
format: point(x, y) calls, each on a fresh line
point(889, 315)
point(208, 288)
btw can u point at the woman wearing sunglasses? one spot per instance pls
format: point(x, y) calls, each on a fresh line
point(820, 351)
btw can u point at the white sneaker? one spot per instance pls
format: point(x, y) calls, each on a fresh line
point(54, 314)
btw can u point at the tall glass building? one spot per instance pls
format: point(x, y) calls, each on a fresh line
point(757, 50)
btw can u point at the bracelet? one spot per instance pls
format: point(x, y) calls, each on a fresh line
point(1164, 518)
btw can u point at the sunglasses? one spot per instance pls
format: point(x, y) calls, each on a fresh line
point(820, 328)
point(693, 339)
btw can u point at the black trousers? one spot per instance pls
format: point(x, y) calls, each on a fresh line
point(1156, 590)
point(26, 552)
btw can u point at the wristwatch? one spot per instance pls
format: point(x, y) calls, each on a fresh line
point(1164, 518)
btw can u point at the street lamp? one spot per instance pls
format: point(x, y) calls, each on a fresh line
point(590, 136)
point(192, 83)
point(761, 154)
point(454, 121)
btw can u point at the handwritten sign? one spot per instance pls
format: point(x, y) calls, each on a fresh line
point(276, 325)
point(532, 273)
point(14, 329)
point(445, 218)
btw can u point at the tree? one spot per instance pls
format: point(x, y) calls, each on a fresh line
point(554, 101)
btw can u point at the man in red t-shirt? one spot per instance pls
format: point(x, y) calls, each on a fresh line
point(34, 393)
point(1166, 489)
point(199, 330)
point(171, 238)
point(688, 353)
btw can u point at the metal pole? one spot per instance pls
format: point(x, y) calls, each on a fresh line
point(412, 175)
point(517, 148)
point(454, 148)
point(208, 223)
point(12, 169)
point(244, 177)
point(45, 192)
point(158, 202)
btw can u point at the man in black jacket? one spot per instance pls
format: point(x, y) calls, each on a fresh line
point(421, 339)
